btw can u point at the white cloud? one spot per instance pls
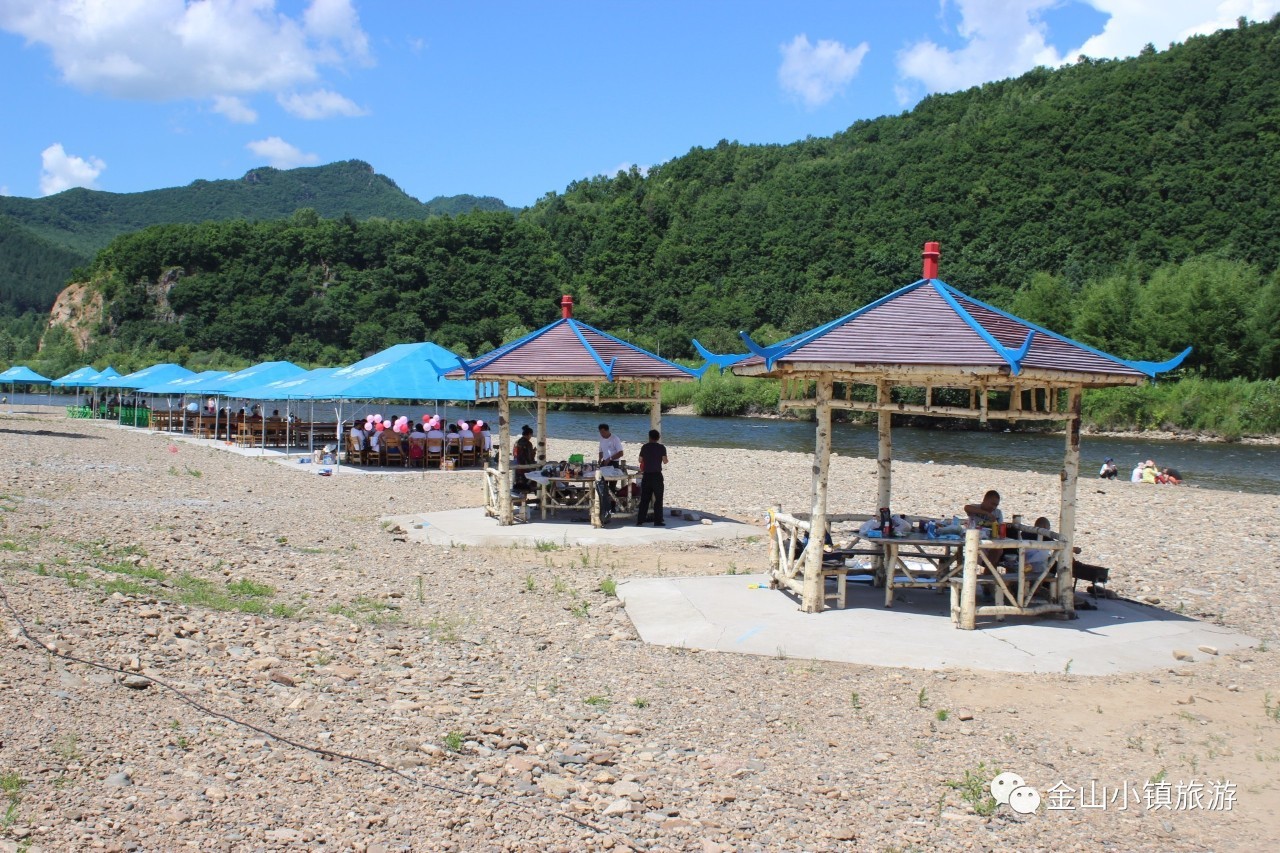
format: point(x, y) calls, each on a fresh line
point(161, 50)
point(280, 154)
point(4, 189)
point(60, 170)
point(235, 109)
point(817, 73)
point(321, 103)
point(1004, 38)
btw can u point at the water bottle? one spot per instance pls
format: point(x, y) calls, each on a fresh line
point(931, 530)
point(886, 523)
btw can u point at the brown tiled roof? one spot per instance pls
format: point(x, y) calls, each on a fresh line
point(932, 323)
point(571, 350)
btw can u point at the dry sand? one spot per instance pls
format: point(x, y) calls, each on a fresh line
point(513, 695)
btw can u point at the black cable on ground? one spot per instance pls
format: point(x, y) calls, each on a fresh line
point(326, 753)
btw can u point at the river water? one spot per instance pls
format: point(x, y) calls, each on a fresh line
point(1235, 467)
point(1211, 465)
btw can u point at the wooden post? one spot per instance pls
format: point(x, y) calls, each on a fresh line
point(775, 552)
point(884, 449)
point(969, 582)
point(540, 389)
point(1067, 511)
point(811, 601)
point(506, 514)
point(655, 406)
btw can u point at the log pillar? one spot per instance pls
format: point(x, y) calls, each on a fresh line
point(506, 513)
point(540, 389)
point(1067, 511)
point(884, 447)
point(969, 582)
point(655, 406)
point(811, 601)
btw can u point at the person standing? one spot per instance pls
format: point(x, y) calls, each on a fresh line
point(653, 455)
point(610, 454)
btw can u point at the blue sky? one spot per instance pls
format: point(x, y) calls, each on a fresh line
point(501, 98)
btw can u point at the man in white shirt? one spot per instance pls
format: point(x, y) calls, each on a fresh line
point(610, 447)
point(610, 454)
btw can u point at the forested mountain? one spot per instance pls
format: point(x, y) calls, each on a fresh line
point(1132, 204)
point(43, 239)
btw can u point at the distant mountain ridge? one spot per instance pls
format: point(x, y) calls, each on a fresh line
point(43, 239)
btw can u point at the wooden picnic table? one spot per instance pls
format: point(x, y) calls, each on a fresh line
point(562, 492)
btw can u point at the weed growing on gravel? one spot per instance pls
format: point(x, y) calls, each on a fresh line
point(975, 788)
point(11, 785)
point(922, 698)
point(529, 583)
point(609, 587)
point(1272, 710)
point(545, 545)
point(67, 746)
point(855, 700)
point(559, 586)
point(781, 654)
point(365, 609)
point(598, 701)
point(1066, 670)
point(444, 629)
point(10, 545)
point(126, 568)
point(248, 588)
point(580, 608)
point(941, 714)
point(124, 587)
point(640, 702)
point(453, 741)
point(421, 592)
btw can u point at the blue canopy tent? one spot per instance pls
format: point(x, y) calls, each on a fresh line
point(21, 374)
point(153, 375)
point(230, 384)
point(76, 379)
point(181, 387)
point(400, 372)
point(286, 389)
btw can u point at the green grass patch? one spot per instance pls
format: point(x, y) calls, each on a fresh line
point(453, 741)
point(10, 545)
point(124, 587)
point(975, 788)
point(609, 587)
point(139, 571)
point(250, 589)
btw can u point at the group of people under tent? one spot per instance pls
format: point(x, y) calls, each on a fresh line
point(653, 455)
point(1143, 472)
point(368, 435)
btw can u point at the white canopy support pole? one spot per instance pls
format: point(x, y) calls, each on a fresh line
point(506, 514)
point(811, 601)
point(1067, 512)
point(540, 389)
point(884, 447)
point(969, 583)
point(337, 413)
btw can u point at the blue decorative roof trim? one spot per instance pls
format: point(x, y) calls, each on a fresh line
point(1147, 368)
point(608, 369)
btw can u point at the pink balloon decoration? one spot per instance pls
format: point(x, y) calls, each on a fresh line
point(377, 419)
point(426, 419)
point(379, 426)
point(480, 424)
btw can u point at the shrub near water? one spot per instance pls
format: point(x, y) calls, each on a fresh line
point(1230, 409)
point(723, 395)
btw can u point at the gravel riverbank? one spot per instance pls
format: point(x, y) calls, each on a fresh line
point(507, 698)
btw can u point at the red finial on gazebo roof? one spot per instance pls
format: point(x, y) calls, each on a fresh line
point(566, 307)
point(931, 254)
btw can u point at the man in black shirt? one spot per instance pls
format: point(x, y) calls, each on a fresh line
point(652, 457)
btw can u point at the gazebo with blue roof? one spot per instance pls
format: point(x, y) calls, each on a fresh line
point(567, 351)
point(930, 335)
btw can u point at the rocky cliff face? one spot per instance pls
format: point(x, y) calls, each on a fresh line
point(78, 309)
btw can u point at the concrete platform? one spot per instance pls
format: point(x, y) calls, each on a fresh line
point(723, 613)
point(472, 527)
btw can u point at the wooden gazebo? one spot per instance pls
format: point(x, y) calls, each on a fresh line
point(571, 352)
point(927, 336)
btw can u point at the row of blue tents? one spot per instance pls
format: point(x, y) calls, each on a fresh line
point(401, 372)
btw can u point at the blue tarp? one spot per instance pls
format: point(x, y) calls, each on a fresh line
point(401, 372)
point(77, 378)
point(284, 389)
point(152, 375)
point(21, 374)
point(229, 384)
point(183, 384)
